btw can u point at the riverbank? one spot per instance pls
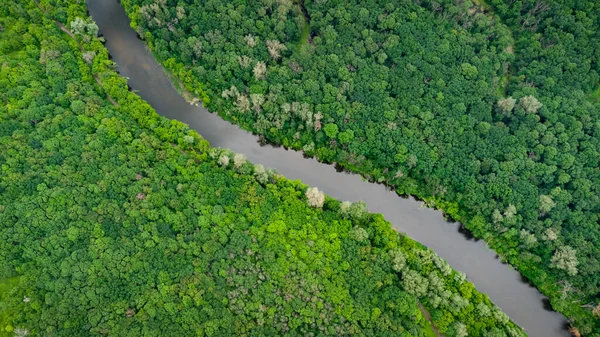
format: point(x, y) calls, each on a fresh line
point(504, 286)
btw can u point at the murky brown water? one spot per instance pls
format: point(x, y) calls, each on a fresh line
point(505, 287)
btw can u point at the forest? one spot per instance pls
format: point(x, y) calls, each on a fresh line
point(115, 221)
point(488, 110)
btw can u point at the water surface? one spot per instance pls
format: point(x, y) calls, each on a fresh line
point(505, 287)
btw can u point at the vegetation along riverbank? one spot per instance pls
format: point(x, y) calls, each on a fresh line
point(116, 221)
point(487, 110)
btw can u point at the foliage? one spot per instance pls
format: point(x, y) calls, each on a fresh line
point(118, 222)
point(484, 108)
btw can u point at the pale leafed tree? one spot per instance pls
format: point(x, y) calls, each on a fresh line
point(286, 108)
point(358, 210)
point(435, 301)
point(359, 234)
point(398, 259)
point(550, 234)
point(295, 108)
point(411, 161)
point(414, 283)
point(231, 92)
point(460, 330)
point(239, 160)
point(528, 239)
point(156, 13)
point(530, 104)
point(214, 37)
point(250, 40)
point(514, 332)
point(188, 139)
point(567, 288)
point(436, 283)
point(500, 316)
point(214, 152)
point(242, 103)
point(446, 295)
point(314, 197)
point(483, 310)
point(546, 204)
point(506, 105)
point(441, 265)
point(260, 70)
point(283, 7)
point(497, 216)
point(78, 26)
point(196, 45)
point(20, 332)
point(224, 160)
point(244, 61)
point(261, 174)
point(460, 277)
point(275, 48)
point(426, 256)
point(510, 211)
point(180, 12)
point(92, 29)
point(305, 114)
point(257, 102)
point(565, 258)
point(345, 208)
point(457, 303)
point(309, 147)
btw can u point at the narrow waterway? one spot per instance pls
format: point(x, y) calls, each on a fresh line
point(505, 287)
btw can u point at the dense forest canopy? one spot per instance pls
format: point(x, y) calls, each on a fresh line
point(487, 110)
point(115, 221)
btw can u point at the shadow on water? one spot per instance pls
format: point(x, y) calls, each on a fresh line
point(466, 233)
point(504, 286)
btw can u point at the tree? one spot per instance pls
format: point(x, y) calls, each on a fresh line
point(260, 174)
point(239, 160)
point(260, 70)
point(460, 330)
point(315, 198)
point(414, 283)
point(275, 48)
point(527, 238)
point(546, 204)
point(359, 234)
point(224, 160)
point(250, 40)
point(530, 104)
point(78, 26)
point(483, 310)
point(331, 130)
point(565, 258)
point(506, 105)
point(398, 260)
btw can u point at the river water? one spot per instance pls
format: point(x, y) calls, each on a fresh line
point(505, 287)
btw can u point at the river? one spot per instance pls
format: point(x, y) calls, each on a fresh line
point(505, 287)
